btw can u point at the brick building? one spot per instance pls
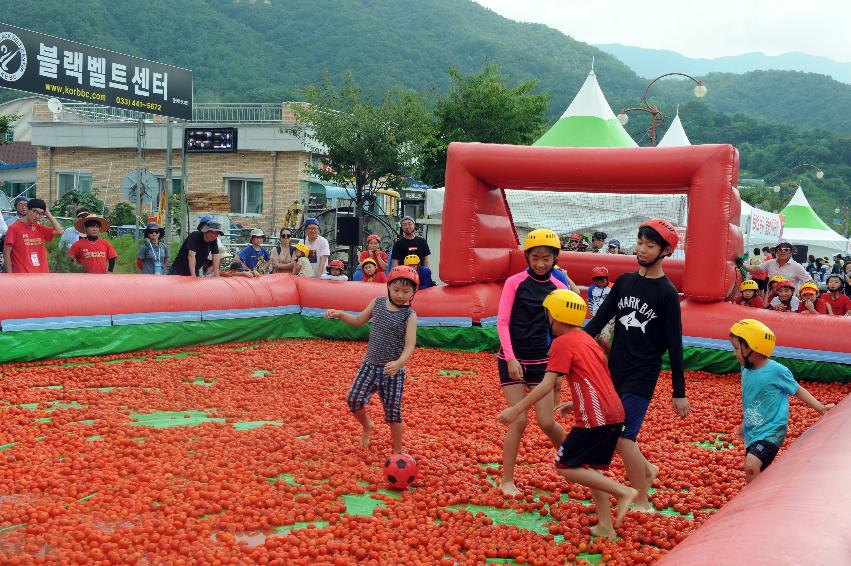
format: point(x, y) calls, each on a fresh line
point(91, 148)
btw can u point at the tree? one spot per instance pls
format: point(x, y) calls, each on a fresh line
point(361, 144)
point(6, 126)
point(482, 108)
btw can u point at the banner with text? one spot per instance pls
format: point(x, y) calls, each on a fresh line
point(49, 66)
point(766, 225)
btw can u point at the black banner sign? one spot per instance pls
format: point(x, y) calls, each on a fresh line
point(49, 66)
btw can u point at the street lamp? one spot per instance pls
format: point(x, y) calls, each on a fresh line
point(657, 118)
point(793, 184)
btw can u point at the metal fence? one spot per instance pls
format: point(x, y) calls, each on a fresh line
point(212, 112)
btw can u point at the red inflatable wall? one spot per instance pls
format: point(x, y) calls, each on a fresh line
point(477, 175)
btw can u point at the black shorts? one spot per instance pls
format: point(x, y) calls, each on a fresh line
point(589, 447)
point(533, 374)
point(761, 283)
point(765, 451)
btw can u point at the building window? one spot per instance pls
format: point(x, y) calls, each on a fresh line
point(10, 136)
point(175, 184)
point(246, 196)
point(81, 182)
point(13, 189)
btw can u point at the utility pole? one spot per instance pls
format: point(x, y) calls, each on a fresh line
point(168, 182)
point(140, 133)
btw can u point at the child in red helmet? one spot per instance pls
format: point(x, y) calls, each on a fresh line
point(646, 308)
point(597, 293)
point(336, 267)
point(784, 297)
point(373, 250)
point(392, 337)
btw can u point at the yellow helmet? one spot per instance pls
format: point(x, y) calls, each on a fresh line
point(808, 286)
point(411, 259)
point(776, 279)
point(541, 237)
point(759, 337)
point(566, 306)
point(302, 247)
point(748, 285)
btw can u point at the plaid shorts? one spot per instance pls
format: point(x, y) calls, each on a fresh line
point(370, 378)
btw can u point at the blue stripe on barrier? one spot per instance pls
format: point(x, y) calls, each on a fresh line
point(156, 317)
point(779, 351)
point(320, 313)
point(444, 321)
point(55, 322)
point(489, 321)
point(230, 314)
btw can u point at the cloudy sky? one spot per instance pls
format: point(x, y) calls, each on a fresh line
point(697, 28)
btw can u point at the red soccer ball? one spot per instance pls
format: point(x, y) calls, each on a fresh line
point(400, 471)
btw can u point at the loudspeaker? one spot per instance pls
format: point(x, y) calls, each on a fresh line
point(801, 254)
point(348, 231)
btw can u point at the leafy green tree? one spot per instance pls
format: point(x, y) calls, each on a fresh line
point(361, 143)
point(87, 201)
point(124, 213)
point(482, 108)
point(6, 122)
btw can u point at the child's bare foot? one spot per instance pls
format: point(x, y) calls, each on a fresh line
point(599, 531)
point(623, 504)
point(364, 437)
point(509, 489)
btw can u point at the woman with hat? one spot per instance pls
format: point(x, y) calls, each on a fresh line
point(252, 254)
point(153, 254)
point(95, 254)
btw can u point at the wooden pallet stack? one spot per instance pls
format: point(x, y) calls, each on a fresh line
point(208, 203)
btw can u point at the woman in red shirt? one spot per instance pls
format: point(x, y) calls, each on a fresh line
point(373, 250)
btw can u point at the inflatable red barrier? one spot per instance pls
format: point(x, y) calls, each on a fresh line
point(579, 266)
point(795, 512)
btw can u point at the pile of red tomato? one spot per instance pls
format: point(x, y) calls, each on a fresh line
point(84, 481)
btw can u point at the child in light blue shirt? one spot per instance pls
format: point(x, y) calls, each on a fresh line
point(766, 386)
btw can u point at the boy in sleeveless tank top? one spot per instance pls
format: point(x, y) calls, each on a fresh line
point(392, 337)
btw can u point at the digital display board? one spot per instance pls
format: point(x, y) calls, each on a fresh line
point(209, 140)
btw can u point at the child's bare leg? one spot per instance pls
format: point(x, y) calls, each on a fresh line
point(650, 472)
point(544, 415)
point(636, 471)
point(604, 527)
point(598, 482)
point(396, 432)
point(753, 467)
point(511, 445)
point(367, 425)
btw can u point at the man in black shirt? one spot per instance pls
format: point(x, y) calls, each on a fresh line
point(195, 249)
point(409, 244)
point(646, 308)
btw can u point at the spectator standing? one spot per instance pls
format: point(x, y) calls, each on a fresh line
point(837, 265)
point(24, 249)
point(196, 248)
point(847, 268)
point(615, 247)
point(373, 250)
point(783, 265)
point(72, 210)
point(409, 244)
point(96, 255)
point(759, 276)
point(71, 234)
point(320, 251)
point(20, 204)
point(598, 241)
point(153, 254)
point(766, 253)
point(281, 259)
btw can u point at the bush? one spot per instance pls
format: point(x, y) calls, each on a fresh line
point(58, 260)
point(88, 201)
point(124, 213)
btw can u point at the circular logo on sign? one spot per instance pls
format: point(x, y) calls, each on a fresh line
point(13, 57)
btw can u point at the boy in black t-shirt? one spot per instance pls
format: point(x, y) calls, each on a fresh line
point(646, 308)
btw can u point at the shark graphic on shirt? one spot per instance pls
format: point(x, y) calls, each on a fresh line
point(630, 321)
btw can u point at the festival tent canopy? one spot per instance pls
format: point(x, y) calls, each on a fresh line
point(802, 226)
point(587, 122)
point(764, 231)
point(676, 135)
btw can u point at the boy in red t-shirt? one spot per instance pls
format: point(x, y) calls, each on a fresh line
point(24, 249)
point(93, 253)
point(749, 297)
point(835, 301)
point(808, 294)
point(597, 409)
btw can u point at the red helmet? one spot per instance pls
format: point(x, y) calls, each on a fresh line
point(336, 263)
point(403, 272)
point(599, 272)
point(784, 283)
point(375, 237)
point(664, 228)
point(575, 236)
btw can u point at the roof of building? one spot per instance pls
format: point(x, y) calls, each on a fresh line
point(17, 153)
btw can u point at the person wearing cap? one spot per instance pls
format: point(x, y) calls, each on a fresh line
point(254, 252)
point(195, 249)
point(71, 235)
point(598, 240)
point(20, 204)
point(203, 221)
point(614, 247)
point(782, 264)
point(409, 244)
point(573, 241)
point(24, 248)
point(96, 255)
point(153, 253)
point(320, 251)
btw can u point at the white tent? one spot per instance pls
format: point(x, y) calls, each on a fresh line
point(676, 135)
point(802, 226)
point(759, 227)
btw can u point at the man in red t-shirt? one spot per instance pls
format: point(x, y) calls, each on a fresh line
point(597, 408)
point(93, 253)
point(835, 301)
point(24, 250)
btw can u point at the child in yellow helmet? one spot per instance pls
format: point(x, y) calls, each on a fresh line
point(766, 386)
point(424, 272)
point(302, 267)
point(597, 409)
point(808, 294)
point(749, 295)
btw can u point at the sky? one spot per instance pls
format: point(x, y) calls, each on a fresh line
point(696, 28)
